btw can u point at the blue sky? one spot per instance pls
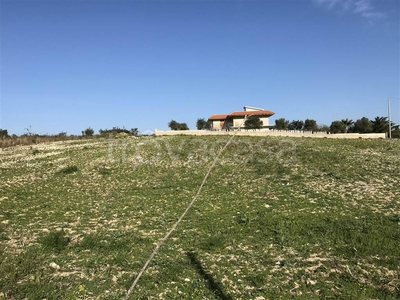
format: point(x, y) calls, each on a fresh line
point(68, 65)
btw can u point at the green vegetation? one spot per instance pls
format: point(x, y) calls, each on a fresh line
point(3, 133)
point(347, 124)
point(337, 127)
point(363, 125)
point(253, 122)
point(174, 125)
point(202, 124)
point(68, 170)
point(281, 124)
point(278, 218)
point(310, 125)
point(116, 130)
point(88, 132)
point(296, 125)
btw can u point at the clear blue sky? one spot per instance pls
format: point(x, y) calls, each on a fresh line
point(68, 65)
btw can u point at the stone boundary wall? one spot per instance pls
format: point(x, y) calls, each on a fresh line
point(275, 133)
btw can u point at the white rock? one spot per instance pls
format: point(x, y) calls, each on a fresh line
point(54, 266)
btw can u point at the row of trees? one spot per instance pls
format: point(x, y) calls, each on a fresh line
point(252, 122)
point(363, 125)
point(307, 125)
point(107, 132)
point(88, 132)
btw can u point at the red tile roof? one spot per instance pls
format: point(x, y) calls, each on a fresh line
point(218, 117)
point(267, 113)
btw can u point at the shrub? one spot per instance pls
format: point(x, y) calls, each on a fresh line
point(116, 130)
point(68, 170)
point(122, 135)
point(88, 132)
point(35, 151)
point(55, 240)
point(3, 133)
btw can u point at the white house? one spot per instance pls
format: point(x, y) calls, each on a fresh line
point(235, 120)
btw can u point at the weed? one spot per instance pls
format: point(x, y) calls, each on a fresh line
point(55, 241)
point(104, 171)
point(35, 151)
point(68, 170)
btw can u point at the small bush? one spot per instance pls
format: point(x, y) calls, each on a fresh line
point(68, 170)
point(105, 171)
point(3, 133)
point(122, 135)
point(35, 151)
point(55, 240)
point(88, 132)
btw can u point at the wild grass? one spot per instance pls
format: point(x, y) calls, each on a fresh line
point(277, 219)
point(68, 170)
point(34, 139)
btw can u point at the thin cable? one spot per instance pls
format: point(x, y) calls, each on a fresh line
point(161, 242)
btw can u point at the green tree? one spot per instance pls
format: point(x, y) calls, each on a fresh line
point(134, 131)
point(323, 128)
point(363, 125)
point(3, 133)
point(337, 127)
point(88, 132)
point(380, 124)
point(203, 124)
point(296, 125)
point(174, 125)
point(347, 123)
point(253, 122)
point(396, 132)
point(310, 125)
point(281, 124)
point(183, 126)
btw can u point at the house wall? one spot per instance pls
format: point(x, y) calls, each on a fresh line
point(240, 122)
point(265, 121)
point(217, 124)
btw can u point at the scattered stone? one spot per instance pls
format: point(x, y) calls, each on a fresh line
point(54, 266)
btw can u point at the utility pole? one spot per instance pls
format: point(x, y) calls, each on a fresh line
point(390, 121)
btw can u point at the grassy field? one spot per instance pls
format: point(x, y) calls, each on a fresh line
point(277, 219)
